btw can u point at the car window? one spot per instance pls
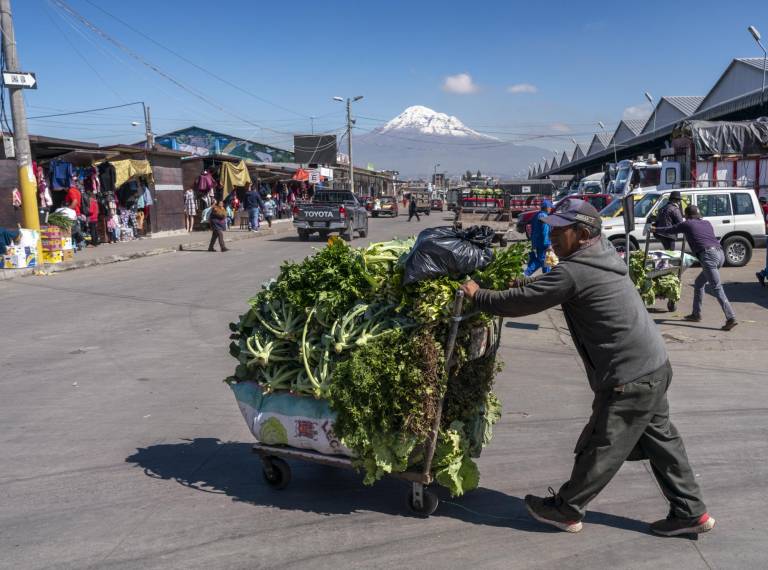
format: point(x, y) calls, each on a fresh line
point(742, 203)
point(714, 205)
point(598, 202)
point(646, 203)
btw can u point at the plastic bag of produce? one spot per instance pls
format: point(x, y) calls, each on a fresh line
point(281, 418)
point(446, 251)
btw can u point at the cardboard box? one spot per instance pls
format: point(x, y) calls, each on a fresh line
point(19, 261)
point(51, 232)
point(66, 243)
point(68, 254)
point(53, 256)
point(29, 238)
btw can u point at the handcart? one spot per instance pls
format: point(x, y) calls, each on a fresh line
point(277, 472)
point(675, 267)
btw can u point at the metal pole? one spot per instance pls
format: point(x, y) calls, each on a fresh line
point(148, 128)
point(349, 146)
point(27, 182)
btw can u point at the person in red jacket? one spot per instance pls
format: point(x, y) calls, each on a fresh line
point(93, 219)
point(75, 200)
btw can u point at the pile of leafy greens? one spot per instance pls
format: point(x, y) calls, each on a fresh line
point(341, 326)
point(663, 287)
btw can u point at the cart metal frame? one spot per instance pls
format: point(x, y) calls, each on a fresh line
point(421, 501)
point(671, 306)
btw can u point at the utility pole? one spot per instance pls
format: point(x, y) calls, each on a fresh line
point(148, 128)
point(27, 182)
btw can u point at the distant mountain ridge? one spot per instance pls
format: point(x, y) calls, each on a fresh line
point(419, 138)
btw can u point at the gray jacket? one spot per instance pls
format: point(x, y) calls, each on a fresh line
point(609, 324)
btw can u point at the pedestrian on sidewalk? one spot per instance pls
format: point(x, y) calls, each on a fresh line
point(218, 221)
point(627, 367)
point(93, 218)
point(270, 207)
point(669, 215)
point(540, 242)
point(706, 247)
point(253, 203)
point(190, 209)
point(763, 275)
point(412, 210)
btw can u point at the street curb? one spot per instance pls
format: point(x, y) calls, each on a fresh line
point(8, 274)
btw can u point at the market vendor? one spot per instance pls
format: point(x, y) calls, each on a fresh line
point(627, 367)
point(8, 238)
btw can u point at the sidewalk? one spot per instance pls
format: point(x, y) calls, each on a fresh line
point(124, 251)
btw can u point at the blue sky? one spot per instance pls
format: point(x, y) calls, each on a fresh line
point(532, 72)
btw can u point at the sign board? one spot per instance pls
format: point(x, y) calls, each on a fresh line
point(628, 213)
point(314, 177)
point(20, 79)
point(9, 148)
point(526, 189)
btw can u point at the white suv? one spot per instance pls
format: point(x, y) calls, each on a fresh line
point(735, 215)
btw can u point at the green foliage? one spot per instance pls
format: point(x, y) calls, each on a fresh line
point(663, 287)
point(507, 265)
point(61, 221)
point(452, 465)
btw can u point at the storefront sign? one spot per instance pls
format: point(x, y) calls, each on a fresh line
point(314, 177)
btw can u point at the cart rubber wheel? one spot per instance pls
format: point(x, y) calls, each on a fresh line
point(671, 306)
point(277, 473)
point(503, 242)
point(429, 504)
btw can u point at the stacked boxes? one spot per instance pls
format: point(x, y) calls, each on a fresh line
point(53, 242)
point(25, 253)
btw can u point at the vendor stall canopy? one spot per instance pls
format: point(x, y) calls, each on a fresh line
point(725, 137)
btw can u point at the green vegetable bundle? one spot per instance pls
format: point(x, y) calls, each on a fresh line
point(341, 326)
point(663, 287)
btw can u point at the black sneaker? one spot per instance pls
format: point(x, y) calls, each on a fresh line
point(694, 318)
point(761, 278)
point(729, 324)
point(673, 526)
point(545, 510)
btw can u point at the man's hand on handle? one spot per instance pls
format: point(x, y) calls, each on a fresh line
point(470, 288)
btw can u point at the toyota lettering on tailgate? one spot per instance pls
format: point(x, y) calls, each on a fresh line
point(318, 214)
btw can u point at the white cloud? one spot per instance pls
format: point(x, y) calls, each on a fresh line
point(637, 112)
point(560, 127)
point(522, 88)
point(461, 84)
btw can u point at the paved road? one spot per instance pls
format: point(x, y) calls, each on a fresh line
point(122, 448)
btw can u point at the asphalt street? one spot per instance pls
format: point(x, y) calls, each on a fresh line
point(121, 447)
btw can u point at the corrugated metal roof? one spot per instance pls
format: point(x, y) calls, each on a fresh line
point(564, 158)
point(753, 61)
point(635, 125)
point(686, 104)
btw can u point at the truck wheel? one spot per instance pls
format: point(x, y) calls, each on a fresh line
point(347, 234)
point(362, 233)
point(427, 212)
point(303, 235)
point(620, 246)
point(738, 251)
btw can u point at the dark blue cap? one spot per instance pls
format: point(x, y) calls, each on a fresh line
point(571, 211)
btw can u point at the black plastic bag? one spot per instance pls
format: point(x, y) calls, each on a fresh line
point(447, 251)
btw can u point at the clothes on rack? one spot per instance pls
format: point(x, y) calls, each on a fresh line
point(61, 174)
point(107, 177)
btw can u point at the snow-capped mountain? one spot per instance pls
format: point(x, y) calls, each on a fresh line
point(420, 138)
point(429, 122)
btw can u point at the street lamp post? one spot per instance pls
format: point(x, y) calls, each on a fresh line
point(650, 100)
point(756, 35)
point(350, 122)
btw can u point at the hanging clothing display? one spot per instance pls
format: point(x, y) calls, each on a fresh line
point(107, 177)
point(129, 168)
point(205, 183)
point(61, 174)
point(91, 180)
point(233, 175)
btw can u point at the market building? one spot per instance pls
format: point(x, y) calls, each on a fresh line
point(737, 95)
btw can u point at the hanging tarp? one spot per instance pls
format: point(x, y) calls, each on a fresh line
point(301, 175)
point(233, 175)
point(725, 137)
point(129, 169)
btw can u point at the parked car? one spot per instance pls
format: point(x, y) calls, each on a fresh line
point(599, 201)
point(331, 211)
point(388, 207)
point(735, 215)
point(423, 205)
point(436, 205)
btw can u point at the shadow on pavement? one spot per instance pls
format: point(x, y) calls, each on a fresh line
point(229, 468)
point(750, 292)
point(686, 324)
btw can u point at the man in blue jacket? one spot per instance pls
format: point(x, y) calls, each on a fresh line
point(253, 204)
point(540, 242)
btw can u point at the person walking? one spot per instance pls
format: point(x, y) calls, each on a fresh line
point(627, 366)
point(270, 208)
point(218, 221)
point(706, 247)
point(253, 203)
point(670, 214)
point(540, 242)
point(190, 209)
point(412, 210)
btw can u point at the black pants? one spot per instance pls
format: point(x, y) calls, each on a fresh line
point(633, 424)
point(411, 214)
point(666, 242)
point(217, 234)
point(94, 231)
